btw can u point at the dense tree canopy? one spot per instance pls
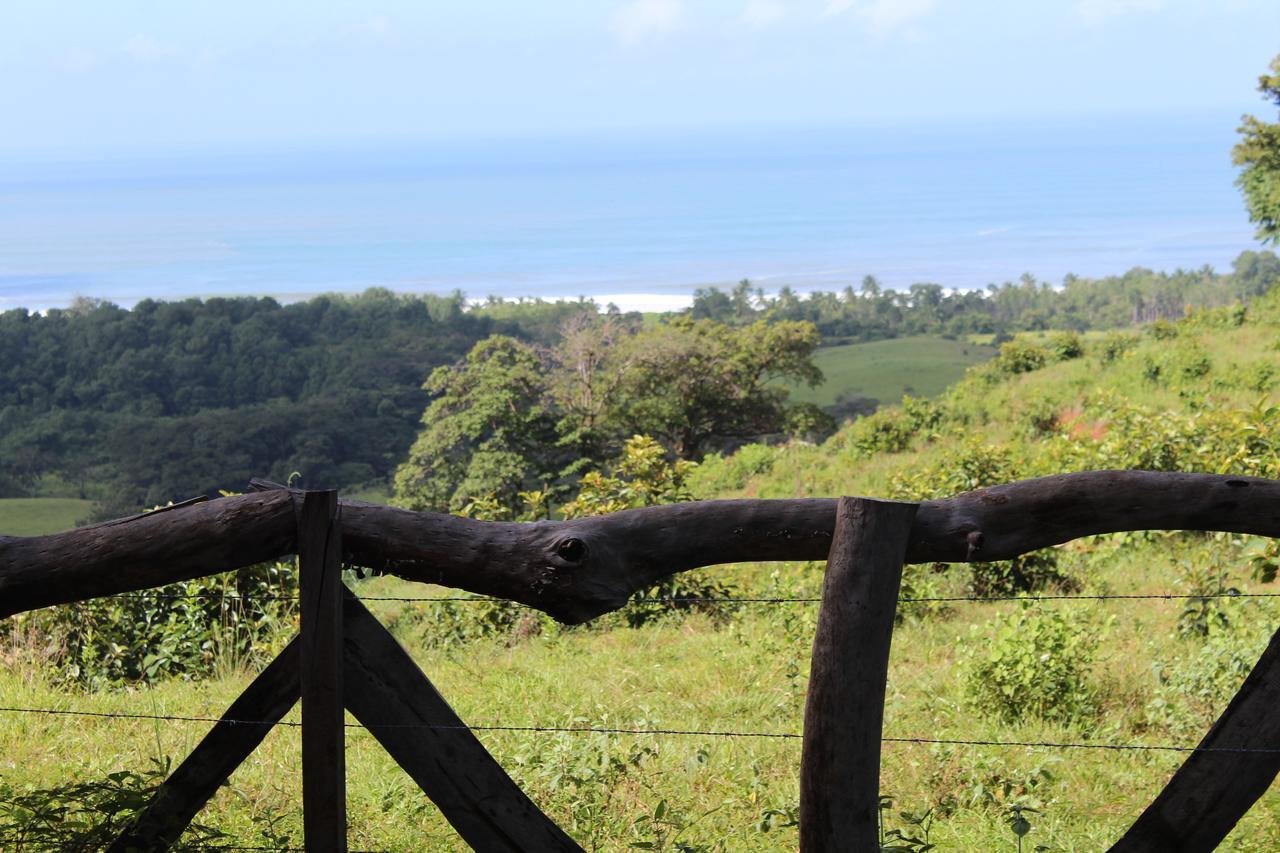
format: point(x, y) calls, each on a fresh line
point(1258, 153)
point(513, 417)
point(170, 399)
point(874, 312)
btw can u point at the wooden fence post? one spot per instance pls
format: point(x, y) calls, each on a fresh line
point(324, 796)
point(844, 711)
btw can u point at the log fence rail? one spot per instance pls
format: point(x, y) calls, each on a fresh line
point(344, 660)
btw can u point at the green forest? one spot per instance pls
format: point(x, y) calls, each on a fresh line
point(135, 407)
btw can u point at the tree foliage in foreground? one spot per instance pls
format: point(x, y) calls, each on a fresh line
point(513, 416)
point(1258, 153)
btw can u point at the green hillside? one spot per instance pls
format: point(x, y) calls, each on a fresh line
point(1195, 395)
point(36, 516)
point(919, 365)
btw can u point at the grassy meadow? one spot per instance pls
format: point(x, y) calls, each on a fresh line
point(37, 516)
point(920, 365)
point(1190, 396)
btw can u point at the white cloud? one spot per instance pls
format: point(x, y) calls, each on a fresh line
point(642, 19)
point(762, 13)
point(1100, 11)
point(144, 48)
point(882, 17)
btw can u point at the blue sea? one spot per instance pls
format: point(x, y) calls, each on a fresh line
point(639, 218)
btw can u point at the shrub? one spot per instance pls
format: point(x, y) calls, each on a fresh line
point(181, 630)
point(1031, 572)
point(972, 466)
point(1020, 356)
point(1115, 344)
point(1195, 688)
point(1032, 663)
point(1064, 346)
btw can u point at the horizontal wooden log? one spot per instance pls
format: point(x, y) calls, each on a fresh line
point(143, 551)
point(576, 570)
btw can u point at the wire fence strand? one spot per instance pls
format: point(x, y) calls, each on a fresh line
point(731, 600)
point(720, 733)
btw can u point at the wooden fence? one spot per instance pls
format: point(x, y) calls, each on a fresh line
point(343, 658)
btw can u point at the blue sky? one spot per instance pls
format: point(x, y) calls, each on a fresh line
point(91, 78)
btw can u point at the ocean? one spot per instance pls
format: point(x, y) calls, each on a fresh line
point(640, 219)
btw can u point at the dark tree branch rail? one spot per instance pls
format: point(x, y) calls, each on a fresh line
point(577, 570)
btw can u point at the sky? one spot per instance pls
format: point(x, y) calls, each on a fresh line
point(87, 79)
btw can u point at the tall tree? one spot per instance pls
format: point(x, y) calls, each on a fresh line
point(1258, 153)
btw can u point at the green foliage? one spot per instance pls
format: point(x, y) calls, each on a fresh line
point(1064, 346)
point(1034, 571)
point(189, 630)
point(511, 417)
point(490, 431)
point(891, 430)
point(1138, 296)
point(87, 816)
point(972, 465)
point(1205, 610)
point(1115, 344)
point(642, 477)
point(911, 837)
point(171, 399)
point(1196, 680)
point(1258, 155)
point(1031, 663)
point(1021, 356)
point(718, 473)
point(584, 770)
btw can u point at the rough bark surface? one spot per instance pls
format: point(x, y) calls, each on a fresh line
point(324, 742)
point(844, 710)
point(576, 570)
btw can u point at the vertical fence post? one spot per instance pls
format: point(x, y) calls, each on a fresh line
point(844, 710)
point(324, 796)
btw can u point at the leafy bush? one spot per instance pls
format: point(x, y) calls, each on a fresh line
point(184, 630)
point(1065, 346)
point(1031, 572)
point(1194, 688)
point(891, 430)
point(1021, 356)
point(1114, 345)
point(1032, 663)
point(971, 466)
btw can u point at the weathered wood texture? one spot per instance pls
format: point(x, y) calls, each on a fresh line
point(394, 700)
point(227, 744)
point(324, 781)
point(844, 710)
point(1211, 791)
point(576, 570)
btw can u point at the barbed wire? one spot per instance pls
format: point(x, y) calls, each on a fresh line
point(730, 600)
point(1129, 747)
